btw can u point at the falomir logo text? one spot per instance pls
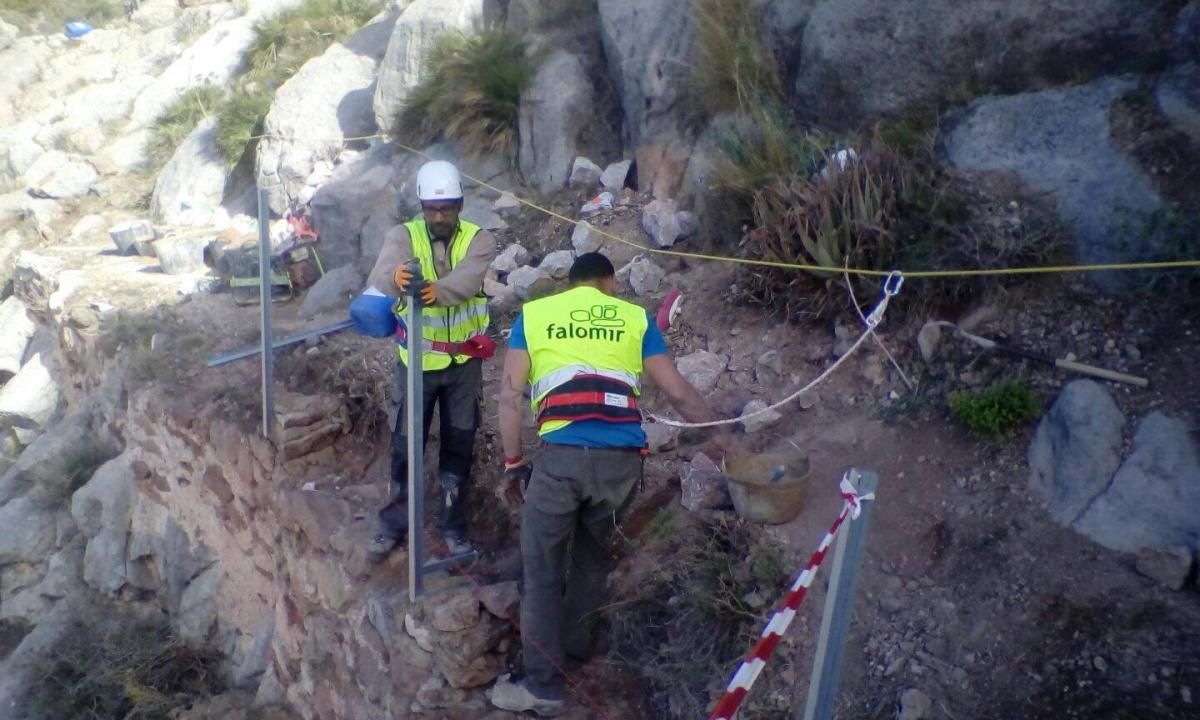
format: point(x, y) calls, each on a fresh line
point(555, 331)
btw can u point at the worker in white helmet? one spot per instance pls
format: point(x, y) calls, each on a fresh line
point(455, 255)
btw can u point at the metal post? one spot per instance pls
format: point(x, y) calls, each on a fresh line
point(264, 275)
point(414, 404)
point(839, 605)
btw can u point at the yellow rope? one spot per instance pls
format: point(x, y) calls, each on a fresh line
point(1040, 270)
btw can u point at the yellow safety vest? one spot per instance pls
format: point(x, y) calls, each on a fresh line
point(585, 352)
point(453, 324)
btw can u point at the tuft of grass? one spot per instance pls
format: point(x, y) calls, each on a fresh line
point(240, 121)
point(178, 120)
point(470, 94)
point(997, 412)
point(49, 16)
point(139, 672)
point(732, 68)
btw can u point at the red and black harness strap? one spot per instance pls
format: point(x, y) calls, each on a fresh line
point(590, 397)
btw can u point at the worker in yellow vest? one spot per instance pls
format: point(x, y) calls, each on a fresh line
point(583, 351)
point(454, 255)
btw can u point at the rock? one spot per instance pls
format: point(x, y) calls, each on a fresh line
point(333, 292)
point(615, 175)
point(16, 328)
point(56, 462)
point(329, 99)
point(1076, 449)
point(8, 35)
point(35, 280)
point(914, 705)
point(584, 174)
point(863, 59)
point(510, 258)
point(58, 175)
point(644, 276)
point(89, 227)
point(455, 613)
point(1059, 143)
point(31, 397)
point(584, 239)
point(704, 486)
point(558, 264)
point(530, 283)
point(501, 599)
point(30, 532)
point(758, 422)
point(665, 225)
point(190, 187)
point(342, 208)
point(182, 254)
point(844, 337)
point(479, 211)
point(102, 509)
point(435, 693)
point(127, 153)
point(132, 236)
point(1151, 500)
point(554, 110)
point(198, 606)
point(419, 632)
point(702, 369)
point(1178, 90)
point(660, 438)
point(928, 340)
point(648, 47)
point(1170, 566)
point(505, 203)
point(768, 370)
point(404, 62)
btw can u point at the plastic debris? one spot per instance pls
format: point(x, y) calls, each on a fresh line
point(603, 201)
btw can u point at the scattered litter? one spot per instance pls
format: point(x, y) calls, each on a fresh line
point(309, 486)
point(668, 310)
point(603, 201)
point(77, 29)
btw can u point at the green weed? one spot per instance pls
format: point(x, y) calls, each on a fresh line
point(178, 120)
point(470, 94)
point(997, 412)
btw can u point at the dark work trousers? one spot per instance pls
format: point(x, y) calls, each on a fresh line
point(455, 392)
point(571, 509)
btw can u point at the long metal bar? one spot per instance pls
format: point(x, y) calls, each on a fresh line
point(839, 605)
point(229, 357)
point(415, 406)
point(264, 272)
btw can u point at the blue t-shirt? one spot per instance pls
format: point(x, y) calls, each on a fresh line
point(598, 433)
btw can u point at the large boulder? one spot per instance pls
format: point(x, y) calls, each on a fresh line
point(414, 34)
point(31, 397)
point(189, 189)
point(331, 98)
point(15, 330)
point(333, 292)
point(30, 531)
point(57, 175)
point(1076, 449)
point(368, 187)
point(555, 108)
point(1179, 87)
point(865, 58)
point(1152, 500)
point(1059, 142)
point(102, 509)
point(56, 460)
point(8, 35)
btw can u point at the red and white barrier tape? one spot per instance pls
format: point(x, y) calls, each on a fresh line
point(756, 660)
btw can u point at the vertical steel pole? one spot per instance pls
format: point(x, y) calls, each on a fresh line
point(839, 605)
point(265, 275)
point(415, 405)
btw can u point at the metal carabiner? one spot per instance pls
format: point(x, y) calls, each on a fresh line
point(893, 282)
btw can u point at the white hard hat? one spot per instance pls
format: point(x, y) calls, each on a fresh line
point(438, 180)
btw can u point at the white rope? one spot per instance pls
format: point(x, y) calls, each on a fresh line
point(875, 335)
point(871, 321)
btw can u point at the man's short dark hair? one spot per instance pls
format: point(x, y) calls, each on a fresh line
point(591, 266)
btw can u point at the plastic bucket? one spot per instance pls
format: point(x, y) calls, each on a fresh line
point(768, 487)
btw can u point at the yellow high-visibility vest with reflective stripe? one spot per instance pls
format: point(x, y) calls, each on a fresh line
point(452, 324)
point(582, 333)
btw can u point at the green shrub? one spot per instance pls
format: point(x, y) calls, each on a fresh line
point(240, 121)
point(140, 672)
point(996, 413)
point(732, 68)
point(178, 120)
point(49, 16)
point(470, 94)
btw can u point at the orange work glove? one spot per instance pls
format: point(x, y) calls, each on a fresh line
point(402, 277)
point(429, 293)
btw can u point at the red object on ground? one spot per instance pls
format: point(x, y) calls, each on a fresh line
point(667, 310)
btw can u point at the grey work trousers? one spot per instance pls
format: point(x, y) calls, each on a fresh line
point(571, 509)
point(455, 393)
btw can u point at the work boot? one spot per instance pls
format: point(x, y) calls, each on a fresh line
point(512, 694)
point(452, 515)
point(381, 546)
